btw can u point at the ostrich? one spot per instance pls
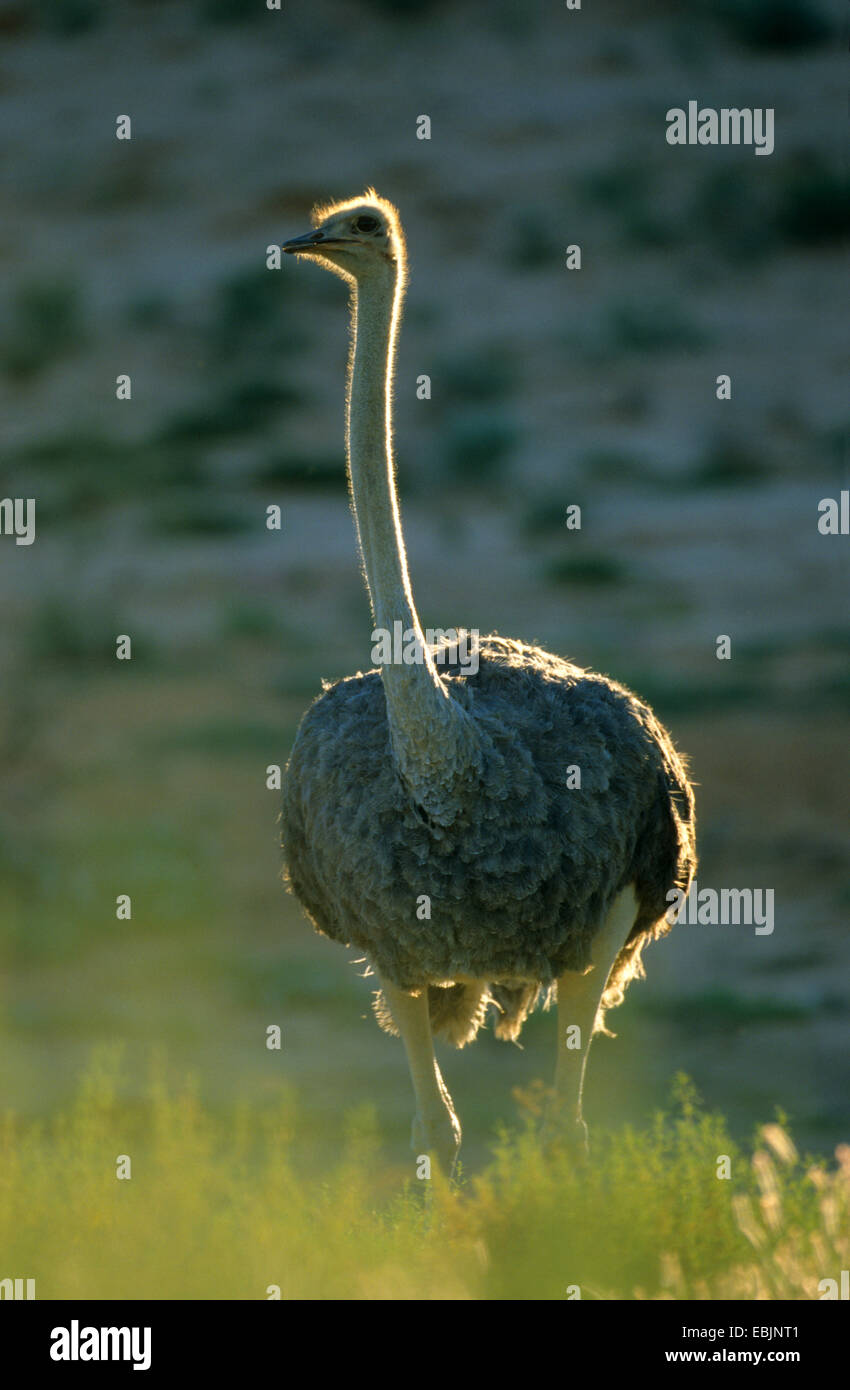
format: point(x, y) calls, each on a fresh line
point(449, 787)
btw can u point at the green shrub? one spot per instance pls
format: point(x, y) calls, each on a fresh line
point(46, 323)
point(772, 25)
point(651, 327)
point(588, 568)
point(217, 1208)
point(814, 205)
point(479, 443)
point(309, 472)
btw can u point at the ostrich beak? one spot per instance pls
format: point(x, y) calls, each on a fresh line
point(309, 241)
point(303, 243)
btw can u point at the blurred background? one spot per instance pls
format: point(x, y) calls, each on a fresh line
point(549, 388)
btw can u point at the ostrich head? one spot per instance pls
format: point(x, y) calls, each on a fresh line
point(358, 239)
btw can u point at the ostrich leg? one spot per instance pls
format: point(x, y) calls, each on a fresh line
point(579, 997)
point(436, 1128)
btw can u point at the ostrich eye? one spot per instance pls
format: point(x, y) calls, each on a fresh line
point(367, 224)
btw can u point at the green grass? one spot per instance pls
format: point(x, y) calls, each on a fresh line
point(216, 1207)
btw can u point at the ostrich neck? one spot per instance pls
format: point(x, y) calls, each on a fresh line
point(432, 737)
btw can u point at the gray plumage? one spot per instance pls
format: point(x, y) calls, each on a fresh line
point(520, 881)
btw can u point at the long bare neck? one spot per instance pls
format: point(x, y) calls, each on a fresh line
point(433, 739)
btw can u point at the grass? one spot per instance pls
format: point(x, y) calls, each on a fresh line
point(215, 1207)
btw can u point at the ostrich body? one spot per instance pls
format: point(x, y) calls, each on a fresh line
point(411, 785)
